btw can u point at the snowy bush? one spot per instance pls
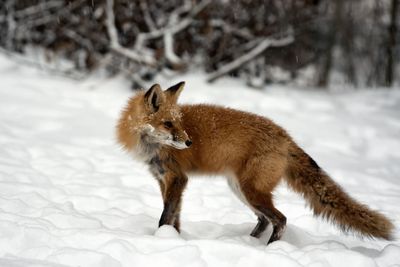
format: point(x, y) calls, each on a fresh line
point(242, 38)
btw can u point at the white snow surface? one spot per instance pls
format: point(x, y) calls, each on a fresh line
point(69, 196)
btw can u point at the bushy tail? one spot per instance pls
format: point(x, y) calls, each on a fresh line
point(327, 199)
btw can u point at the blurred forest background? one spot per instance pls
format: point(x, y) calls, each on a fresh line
point(258, 41)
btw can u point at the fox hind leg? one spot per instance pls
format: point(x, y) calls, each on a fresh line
point(278, 221)
point(256, 181)
point(262, 221)
point(260, 227)
point(263, 203)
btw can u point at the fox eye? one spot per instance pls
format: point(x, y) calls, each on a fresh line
point(168, 124)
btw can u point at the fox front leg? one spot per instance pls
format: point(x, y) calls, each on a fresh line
point(176, 222)
point(172, 188)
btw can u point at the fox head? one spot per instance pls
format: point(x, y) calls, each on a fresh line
point(154, 117)
point(164, 124)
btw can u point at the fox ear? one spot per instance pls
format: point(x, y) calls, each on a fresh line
point(174, 91)
point(154, 97)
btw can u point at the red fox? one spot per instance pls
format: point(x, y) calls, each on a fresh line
point(252, 151)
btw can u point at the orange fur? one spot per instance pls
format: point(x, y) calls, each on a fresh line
point(255, 151)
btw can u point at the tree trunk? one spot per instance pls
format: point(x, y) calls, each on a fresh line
point(391, 44)
point(327, 58)
point(348, 43)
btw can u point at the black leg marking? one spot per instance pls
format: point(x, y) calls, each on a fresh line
point(278, 221)
point(166, 215)
point(177, 222)
point(260, 227)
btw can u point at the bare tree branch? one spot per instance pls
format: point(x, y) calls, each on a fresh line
point(78, 39)
point(174, 26)
point(169, 49)
point(48, 18)
point(116, 46)
point(38, 9)
point(260, 48)
point(147, 17)
point(243, 33)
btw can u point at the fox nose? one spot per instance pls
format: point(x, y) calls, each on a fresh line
point(188, 143)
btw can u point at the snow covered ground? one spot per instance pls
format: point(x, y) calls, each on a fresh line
point(70, 197)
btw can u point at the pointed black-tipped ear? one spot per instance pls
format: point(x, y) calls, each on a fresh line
point(174, 91)
point(154, 98)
